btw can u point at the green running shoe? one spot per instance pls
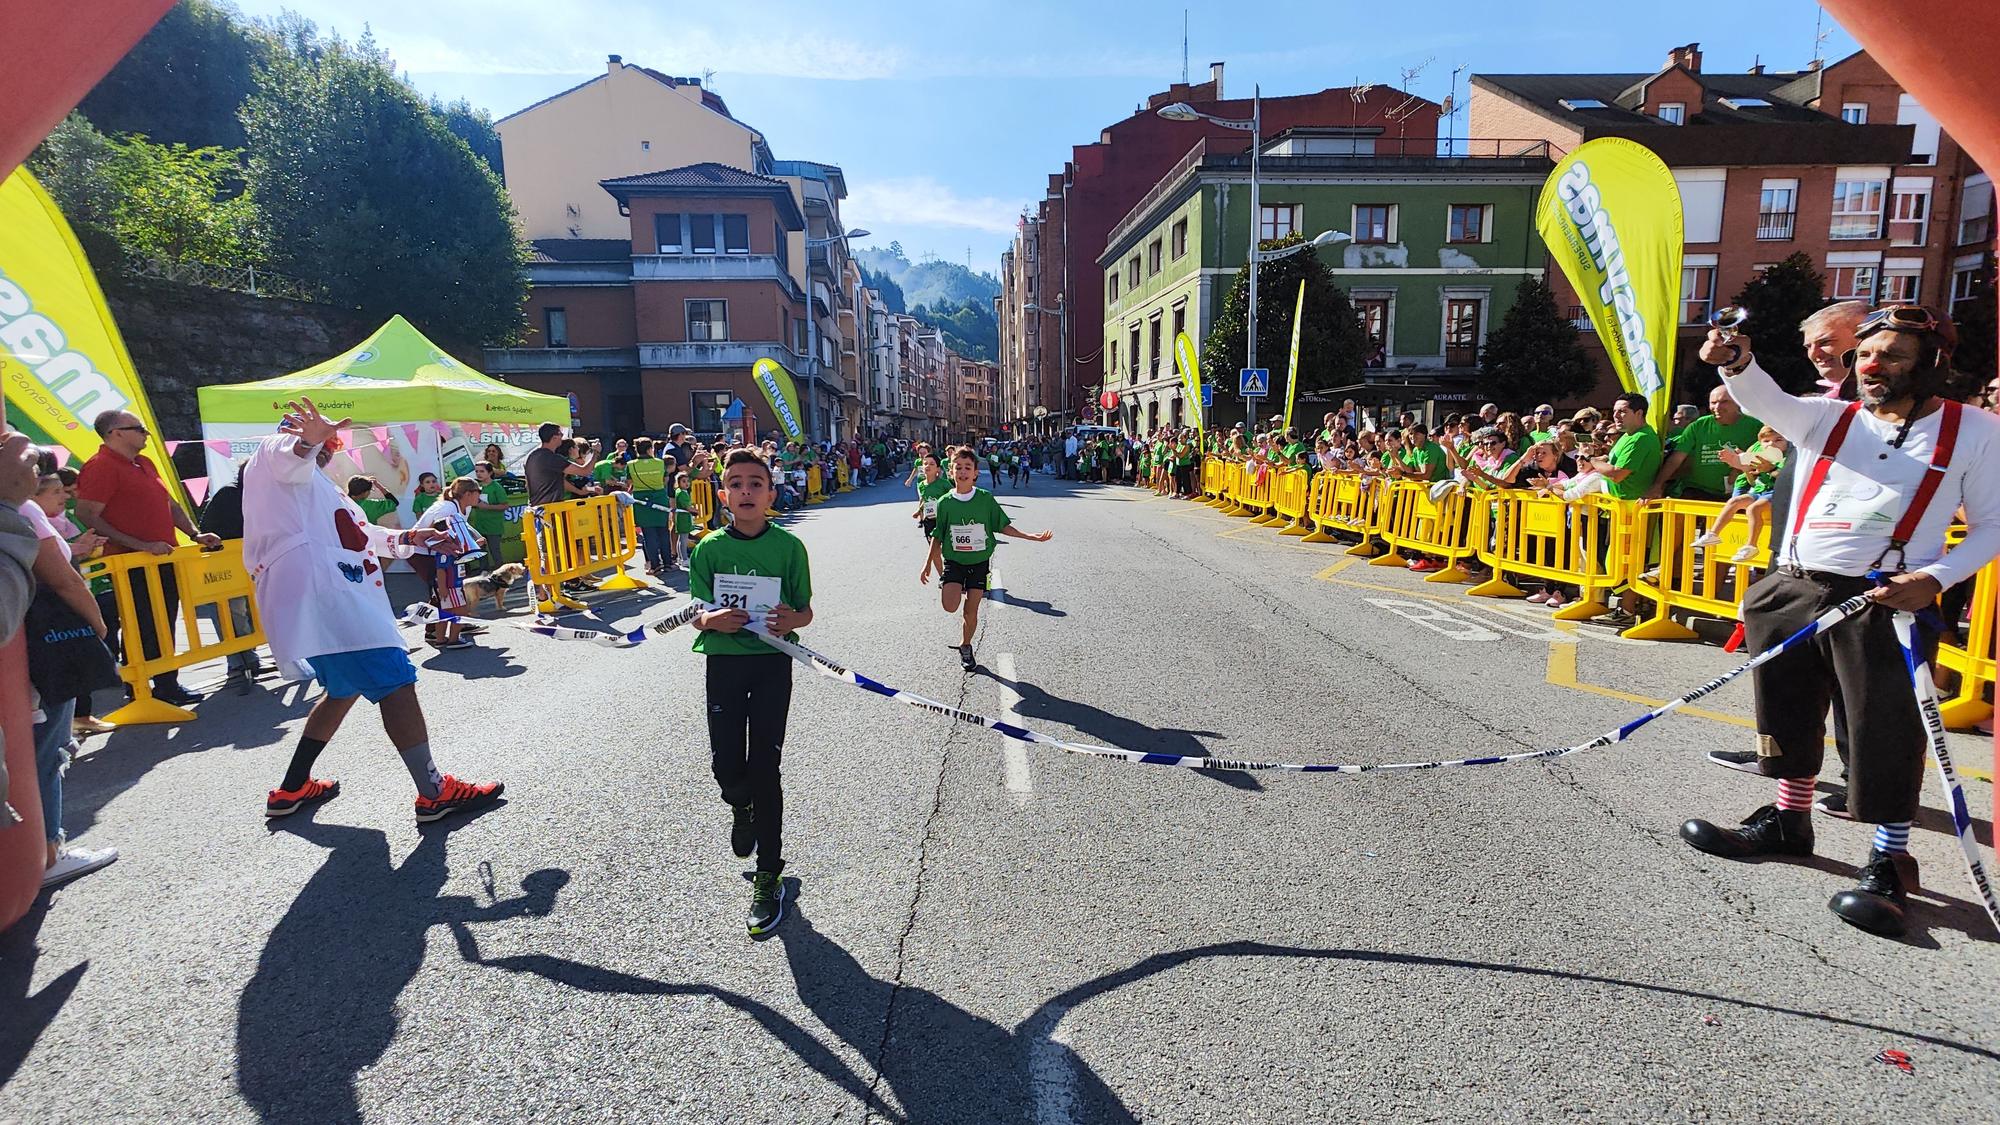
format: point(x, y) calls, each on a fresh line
point(767, 902)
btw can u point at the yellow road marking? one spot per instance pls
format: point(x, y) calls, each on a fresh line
point(1327, 574)
point(1562, 673)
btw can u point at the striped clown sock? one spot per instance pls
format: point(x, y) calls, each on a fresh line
point(1893, 838)
point(1795, 794)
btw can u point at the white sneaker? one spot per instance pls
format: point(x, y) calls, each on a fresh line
point(75, 863)
point(1708, 539)
point(1744, 553)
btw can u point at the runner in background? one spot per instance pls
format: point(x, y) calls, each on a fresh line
point(962, 543)
point(935, 485)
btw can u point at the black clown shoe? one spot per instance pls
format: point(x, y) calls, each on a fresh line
point(1877, 902)
point(1768, 831)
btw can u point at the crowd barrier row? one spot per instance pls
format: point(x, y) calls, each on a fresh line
point(208, 582)
point(574, 539)
point(1597, 544)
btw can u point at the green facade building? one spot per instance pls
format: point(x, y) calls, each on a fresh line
point(1438, 245)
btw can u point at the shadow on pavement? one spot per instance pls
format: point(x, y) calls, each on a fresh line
point(1041, 1023)
point(1116, 730)
point(322, 1005)
point(591, 978)
point(28, 1016)
point(1007, 597)
point(953, 1065)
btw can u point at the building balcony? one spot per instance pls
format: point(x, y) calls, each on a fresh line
point(713, 267)
point(717, 353)
point(1579, 319)
point(1776, 226)
point(558, 361)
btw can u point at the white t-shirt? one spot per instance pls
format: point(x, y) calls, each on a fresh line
point(315, 560)
point(39, 520)
point(1871, 484)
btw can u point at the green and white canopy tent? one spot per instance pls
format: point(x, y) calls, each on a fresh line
point(415, 410)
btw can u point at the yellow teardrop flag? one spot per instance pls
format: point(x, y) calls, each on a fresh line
point(62, 362)
point(1292, 381)
point(783, 395)
point(1611, 215)
point(1189, 361)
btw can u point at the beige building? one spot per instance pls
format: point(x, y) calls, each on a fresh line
point(625, 122)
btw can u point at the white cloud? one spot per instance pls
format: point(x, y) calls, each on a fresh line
point(882, 206)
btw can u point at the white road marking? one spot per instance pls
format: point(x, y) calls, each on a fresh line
point(1436, 619)
point(1052, 1075)
point(1013, 755)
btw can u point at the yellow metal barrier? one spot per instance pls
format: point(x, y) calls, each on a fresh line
point(1253, 494)
point(840, 481)
point(701, 497)
point(1413, 521)
point(573, 539)
point(1973, 664)
point(1583, 543)
point(204, 578)
point(815, 485)
point(1288, 499)
point(1688, 578)
point(1229, 485)
point(1351, 504)
point(1211, 478)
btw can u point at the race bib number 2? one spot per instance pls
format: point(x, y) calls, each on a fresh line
point(968, 538)
point(746, 592)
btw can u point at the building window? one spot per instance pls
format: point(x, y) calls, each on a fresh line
point(1674, 113)
point(1132, 352)
point(1153, 258)
point(701, 233)
point(1461, 332)
point(1112, 283)
point(1277, 221)
point(1132, 272)
point(736, 234)
point(1854, 113)
point(1778, 210)
point(555, 328)
point(1180, 321)
point(1180, 240)
point(1697, 293)
point(1854, 283)
point(1373, 312)
point(1909, 214)
point(1373, 222)
point(1112, 356)
point(667, 233)
point(1857, 209)
point(1153, 349)
point(1901, 284)
point(1469, 223)
point(1975, 210)
point(1965, 283)
point(707, 409)
point(708, 320)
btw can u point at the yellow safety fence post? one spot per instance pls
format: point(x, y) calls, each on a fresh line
point(1581, 543)
point(203, 578)
point(1231, 503)
point(701, 497)
point(1288, 499)
point(570, 540)
point(1255, 498)
point(1211, 480)
point(1688, 578)
point(840, 481)
point(1417, 522)
point(1319, 507)
point(1973, 664)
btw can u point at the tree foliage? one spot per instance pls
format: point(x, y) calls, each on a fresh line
point(474, 126)
point(1332, 344)
point(884, 285)
point(373, 197)
point(184, 81)
point(1777, 300)
point(1977, 337)
point(969, 329)
point(1534, 355)
point(127, 195)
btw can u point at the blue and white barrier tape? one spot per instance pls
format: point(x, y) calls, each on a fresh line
point(1961, 818)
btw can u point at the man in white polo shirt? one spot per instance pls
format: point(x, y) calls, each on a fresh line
point(1879, 482)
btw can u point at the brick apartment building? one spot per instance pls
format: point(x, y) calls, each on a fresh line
point(1835, 161)
point(1051, 353)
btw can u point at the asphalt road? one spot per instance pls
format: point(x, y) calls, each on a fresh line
point(985, 932)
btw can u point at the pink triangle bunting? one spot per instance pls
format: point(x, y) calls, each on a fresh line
point(173, 445)
point(410, 431)
point(442, 429)
point(219, 445)
point(197, 488)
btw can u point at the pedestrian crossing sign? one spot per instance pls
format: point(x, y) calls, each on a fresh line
point(1254, 382)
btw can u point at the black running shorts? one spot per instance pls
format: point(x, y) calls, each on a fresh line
point(971, 576)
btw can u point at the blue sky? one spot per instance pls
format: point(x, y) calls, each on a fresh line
point(949, 117)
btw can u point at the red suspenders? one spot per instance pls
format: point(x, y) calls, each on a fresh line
point(1926, 489)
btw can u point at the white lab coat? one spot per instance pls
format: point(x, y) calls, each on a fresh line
point(315, 559)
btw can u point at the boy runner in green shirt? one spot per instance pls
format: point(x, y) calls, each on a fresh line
point(934, 486)
point(962, 545)
point(751, 571)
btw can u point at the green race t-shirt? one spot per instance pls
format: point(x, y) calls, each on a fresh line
point(1639, 451)
point(423, 500)
point(683, 511)
point(928, 493)
point(606, 471)
point(489, 524)
point(1429, 458)
point(375, 509)
point(774, 554)
point(966, 528)
point(1701, 443)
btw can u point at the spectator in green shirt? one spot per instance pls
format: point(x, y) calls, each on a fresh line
point(1542, 424)
point(428, 492)
point(1634, 462)
point(1422, 459)
point(488, 513)
point(373, 500)
point(1694, 469)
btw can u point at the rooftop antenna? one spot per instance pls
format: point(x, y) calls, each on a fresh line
point(1450, 108)
point(1410, 100)
point(1820, 33)
point(708, 80)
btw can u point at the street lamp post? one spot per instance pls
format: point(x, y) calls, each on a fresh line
point(1181, 111)
point(812, 330)
point(1061, 313)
